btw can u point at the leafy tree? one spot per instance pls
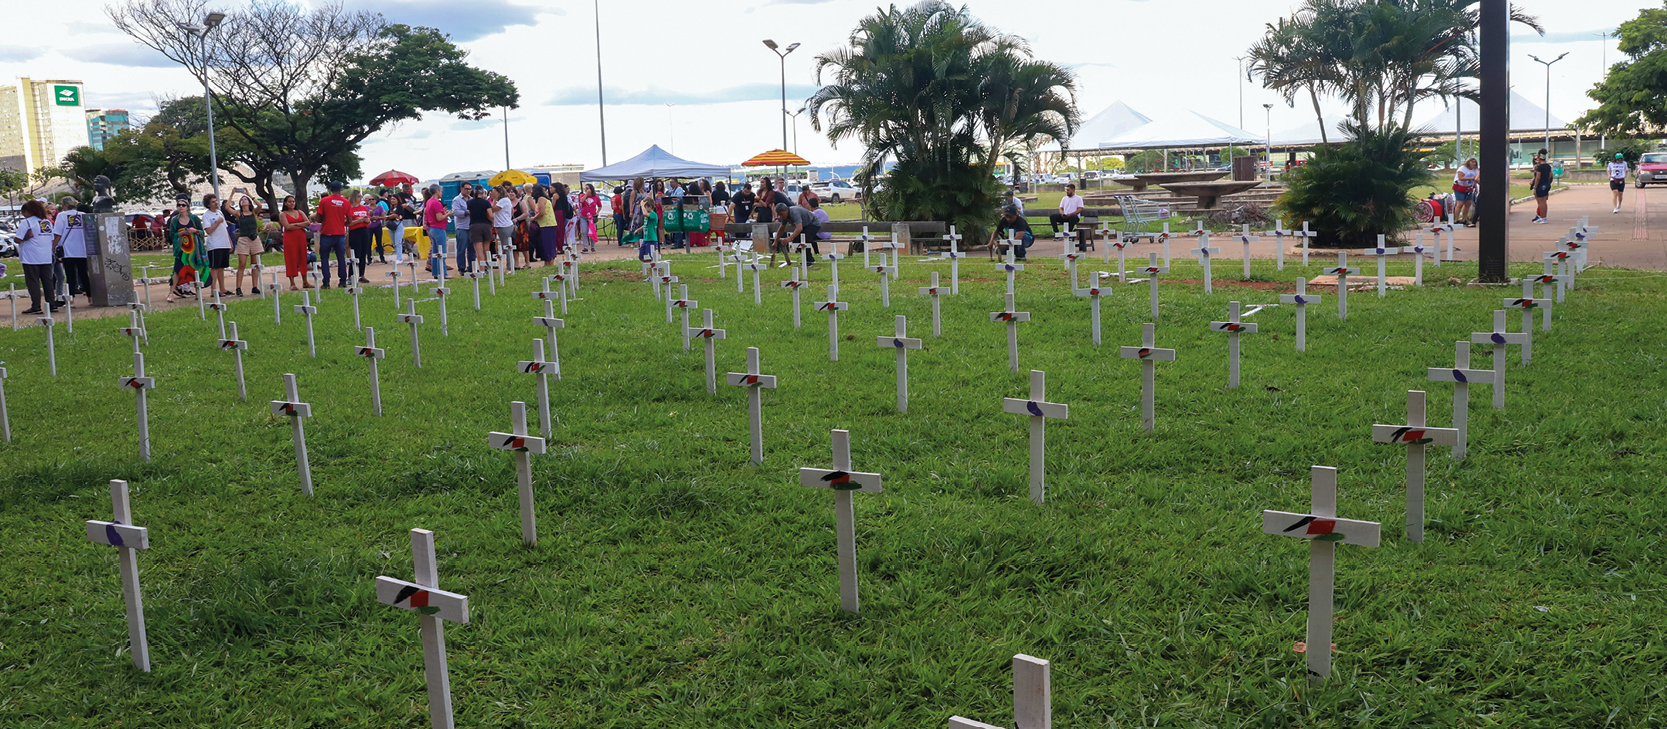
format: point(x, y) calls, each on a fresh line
point(1149, 160)
point(1357, 190)
point(1630, 150)
point(1632, 97)
point(300, 88)
point(948, 98)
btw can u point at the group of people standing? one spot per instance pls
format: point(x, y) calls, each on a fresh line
point(52, 247)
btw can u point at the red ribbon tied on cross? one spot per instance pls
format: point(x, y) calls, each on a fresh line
point(1410, 436)
point(1005, 316)
point(416, 598)
point(1144, 352)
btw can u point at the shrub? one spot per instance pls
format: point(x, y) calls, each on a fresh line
point(1352, 192)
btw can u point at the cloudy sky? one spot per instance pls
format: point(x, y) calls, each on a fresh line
point(708, 62)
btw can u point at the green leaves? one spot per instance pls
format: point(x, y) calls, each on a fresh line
point(1629, 97)
point(1356, 190)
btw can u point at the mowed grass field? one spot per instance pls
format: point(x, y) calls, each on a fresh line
point(677, 585)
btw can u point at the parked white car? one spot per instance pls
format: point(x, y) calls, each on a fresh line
point(836, 191)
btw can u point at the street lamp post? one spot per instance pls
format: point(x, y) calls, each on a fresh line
point(210, 22)
point(782, 54)
point(669, 130)
point(1603, 139)
point(601, 115)
point(795, 116)
point(1547, 101)
point(1268, 109)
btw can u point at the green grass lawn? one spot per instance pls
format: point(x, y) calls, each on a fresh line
point(677, 585)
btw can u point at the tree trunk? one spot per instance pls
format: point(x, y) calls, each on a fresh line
point(1315, 97)
point(298, 180)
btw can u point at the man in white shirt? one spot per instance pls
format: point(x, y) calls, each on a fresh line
point(218, 242)
point(1618, 170)
point(68, 235)
point(460, 217)
point(503, 218)
point(1070, 210)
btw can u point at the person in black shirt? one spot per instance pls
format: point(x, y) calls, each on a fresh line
point(1012, 226)
point(768, 199)
point(1542, 187)
point(743, 203)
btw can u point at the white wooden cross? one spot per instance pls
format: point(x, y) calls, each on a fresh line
point(441, 292)
point(1012, 318)
point(1305, 234)
point(1093, 293)
point(1414, 435)
point(295, 410)
point(413, 318)
point(1039, 411)
point(1323, 530)
point(794, 285)
point(277, 292)
point(570, 268)
point(474, 275)
point(236, 347)
point(547, 296)
point(219, 309)
point(1499, 338)
point(314, 271)
point(954, 254)
point(1560, 257)
point(521, 444)
point(47, 321)
point(1301, 299)
point(755, 267)
point(1152, 271)
point(684, 304)
point(354, 290)
point(306, 309)
point(709, 334)
point(666, 280)
point(1069, 258)
point(833, 308)
point(842, 480)
point(134, 330)
point(202, 306)
point(1109, 235)
point(393, 274)
point(867, 242)
point(741, 258)
point(433, 606)
point(551, 324)
point(1437, 229)
point(1009, 266)
point(1578, 243)
point(1461, 376)
point(754, 382)
point(1120, 243)
point(1164, 239)
point(1032, 697)
point(934, 291)
point(490, 268)
point(835, 258)
point(1245, 238)
point(1278, 234)
point(1342, 272)
point(1577, 249)
point(901, 342)
point(1527, 303)
point(651, 274)
point(371, 354)
point(1233, 328)
point(887, 273)
point(1203, 252)
point(139, 383)
point(5, 419)
point(1549, 283)
point(540, 369)
point(1149, 356)
point(127, 539)
point(1380, 252)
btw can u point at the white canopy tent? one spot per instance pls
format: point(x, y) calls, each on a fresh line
point(1111, 122)
point(654, 162)
point(1184, 130)
point(1526, 116)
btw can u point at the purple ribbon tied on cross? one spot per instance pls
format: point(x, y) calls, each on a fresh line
point(112, 535)
point(1033, 408)
point(1301, 300)
point(898, 343)
point(1498, 338)
point(1458, 376)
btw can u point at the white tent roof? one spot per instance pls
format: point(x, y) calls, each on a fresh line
point(1111, 122)
point(654, 162)
point(1180, 131)
point(1309, 134)
point(1526, 116)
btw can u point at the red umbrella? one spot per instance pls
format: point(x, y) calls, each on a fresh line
point(393, 177)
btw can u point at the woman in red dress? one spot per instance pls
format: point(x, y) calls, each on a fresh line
point(295, 225)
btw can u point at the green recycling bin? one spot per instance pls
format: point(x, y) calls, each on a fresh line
point(696, 220)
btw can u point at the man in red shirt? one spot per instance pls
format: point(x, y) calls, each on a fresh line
point(332, 233)
point(358, 234)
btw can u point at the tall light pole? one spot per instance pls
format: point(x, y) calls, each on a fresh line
point(783, 55)
point(795, 116)
point(1603, 139)
point(506, 139)
point(210, 22)
point(1242, 75)
point(1268, 109)
point(600, 115)
point(669, 130)
point(1547, 101)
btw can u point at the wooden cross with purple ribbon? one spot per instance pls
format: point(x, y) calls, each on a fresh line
point(1204, 251)
point(1500, 339)
point(1039, 411)
point(1381, 252)
point(1245, 238)
point(1324, 531)
point(1301, 299)
point(1461, 376)
point(842, 480)
point(901, 342)
point(433, 606)
point(128, 539)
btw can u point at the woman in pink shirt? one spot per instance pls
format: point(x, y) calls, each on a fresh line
point(590, 207)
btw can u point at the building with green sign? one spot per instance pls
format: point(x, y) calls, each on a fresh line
point(40, 121)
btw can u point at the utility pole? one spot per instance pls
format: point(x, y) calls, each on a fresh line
point(1493, 243)
point(1547, 65)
